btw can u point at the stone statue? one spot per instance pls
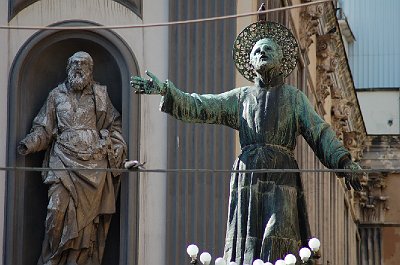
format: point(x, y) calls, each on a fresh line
point(267, 216)
point(79, 128)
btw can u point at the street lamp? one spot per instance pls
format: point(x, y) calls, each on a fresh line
point(280, 262)
point(305, 255)
point(205, 258)
point(290, 259)
point(258, 262)
point(314, 244)
point(192, 251)
point(220, 261)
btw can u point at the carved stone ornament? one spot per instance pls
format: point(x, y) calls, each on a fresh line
point(324, 86)
point(372, 201)
point(353, 142)
point(336, 93)
point(309, 24)
point(326, 66)
point(340, 116)
point(327, 57)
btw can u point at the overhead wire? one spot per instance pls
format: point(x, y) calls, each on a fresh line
point(163, 24)
point(203, 170)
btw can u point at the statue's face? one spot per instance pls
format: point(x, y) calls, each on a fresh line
point(79, 72)
point(266, 55)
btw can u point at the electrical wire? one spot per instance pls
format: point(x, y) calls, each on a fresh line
point(163, 24)
point(202, 170)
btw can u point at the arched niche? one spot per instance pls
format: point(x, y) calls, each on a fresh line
point(37, 68)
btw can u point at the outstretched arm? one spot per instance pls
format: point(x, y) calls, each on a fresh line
point(322, 139)
point(195, 108)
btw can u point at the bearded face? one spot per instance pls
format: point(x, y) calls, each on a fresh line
point(266, 56)
point(79, 73)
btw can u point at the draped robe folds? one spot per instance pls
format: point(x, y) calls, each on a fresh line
point(80, 202)
point(267, 216)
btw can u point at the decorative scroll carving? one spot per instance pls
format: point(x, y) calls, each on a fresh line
point(324, 86)
point(346, 116)
point(326, 65)
point(336, 93)
point(309, 24)
point(339, 117)
point(327, 57)
point(382, 152)
point(353, 142)
point(372, 201)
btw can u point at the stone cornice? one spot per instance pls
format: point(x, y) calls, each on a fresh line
point(347, 119)
point(335, 85)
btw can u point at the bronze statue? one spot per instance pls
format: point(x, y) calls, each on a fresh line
point(267, 216)
point(79, 128)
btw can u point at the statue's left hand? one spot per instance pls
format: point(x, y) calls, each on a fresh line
point(22, 149)
point(353, 176)
point(148, 86)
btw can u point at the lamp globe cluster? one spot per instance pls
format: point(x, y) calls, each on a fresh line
point(305, 254)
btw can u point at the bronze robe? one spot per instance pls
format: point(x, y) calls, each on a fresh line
point(80, 202)
point(267, 216)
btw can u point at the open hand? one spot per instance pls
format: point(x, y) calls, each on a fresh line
point(148, 86)
point(353, 176)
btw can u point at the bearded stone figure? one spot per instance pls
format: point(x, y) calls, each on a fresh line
point(267, 215)
point(79, 128)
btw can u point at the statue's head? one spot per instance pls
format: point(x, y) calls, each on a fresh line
point(262, 46)
point(266, 56)
point(80, 70)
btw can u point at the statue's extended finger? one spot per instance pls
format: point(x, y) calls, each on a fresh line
point(137, 79)
point(152, 76)
point(139, 91)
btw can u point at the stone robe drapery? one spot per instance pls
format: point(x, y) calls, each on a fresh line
point(80, 202)
point(267, 216)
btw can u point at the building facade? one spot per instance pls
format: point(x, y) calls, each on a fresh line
point(374, 60)
point(159, 214)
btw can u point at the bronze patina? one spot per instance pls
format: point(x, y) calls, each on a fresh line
point(79, 128)
point(267, 216)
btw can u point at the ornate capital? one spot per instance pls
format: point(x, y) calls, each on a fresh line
point(309, 24)
point(327, 57)
point(372, 201)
